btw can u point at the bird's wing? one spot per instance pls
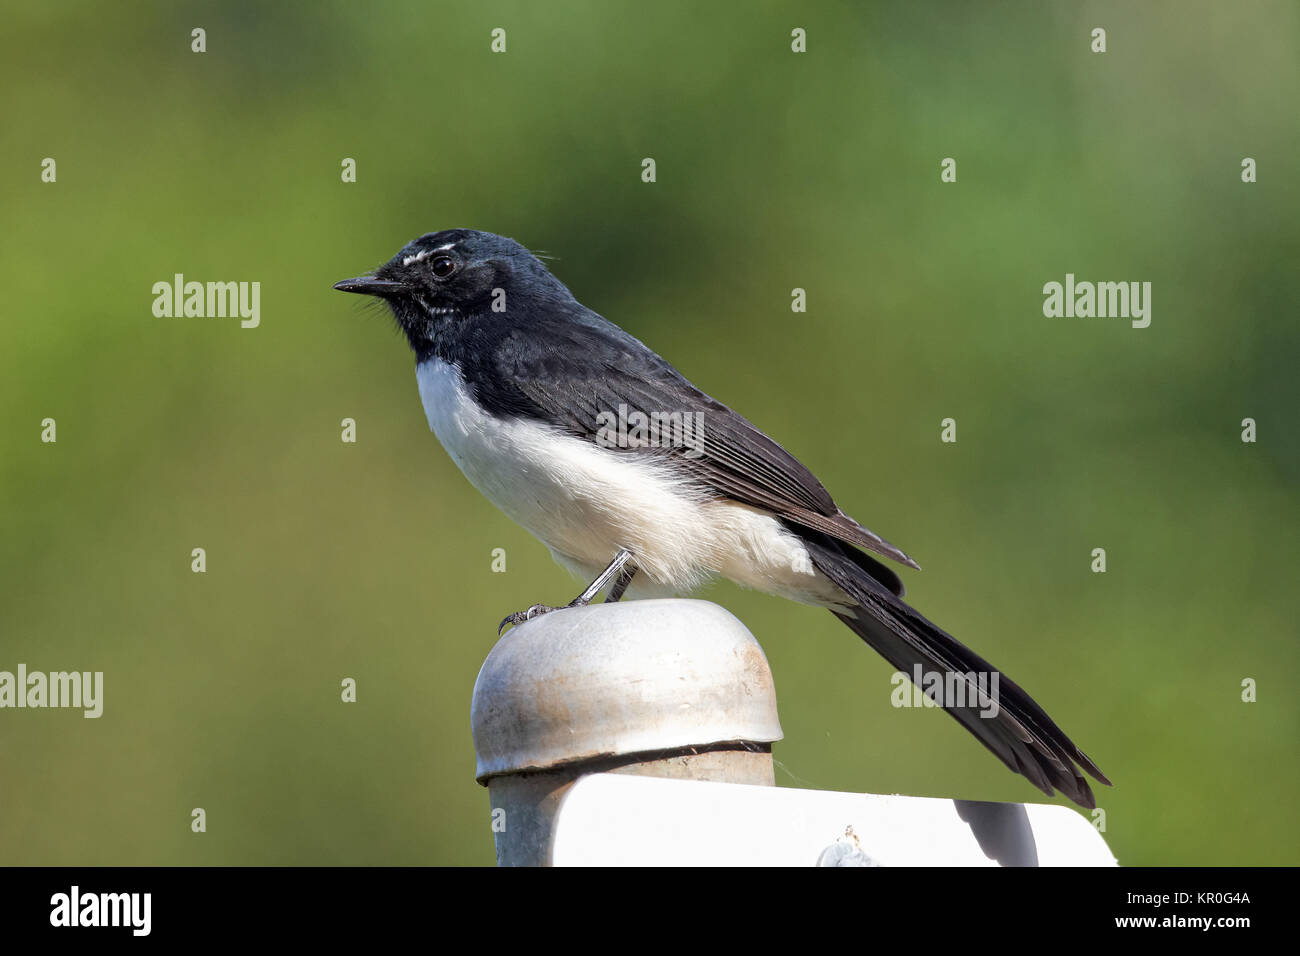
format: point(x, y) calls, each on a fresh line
point(573, 374)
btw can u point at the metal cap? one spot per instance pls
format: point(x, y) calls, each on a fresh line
point(616, 679)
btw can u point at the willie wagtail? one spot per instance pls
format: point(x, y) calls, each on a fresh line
point(622, 468)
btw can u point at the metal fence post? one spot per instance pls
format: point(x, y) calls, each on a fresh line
point(661, 688)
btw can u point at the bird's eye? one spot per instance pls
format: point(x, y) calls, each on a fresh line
point(443, 266)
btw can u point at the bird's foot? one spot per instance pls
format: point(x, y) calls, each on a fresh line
point(616, 572)
point(519, 617)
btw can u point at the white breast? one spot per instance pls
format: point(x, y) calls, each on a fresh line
point(585, 502)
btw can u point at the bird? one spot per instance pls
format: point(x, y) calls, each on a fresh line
point(636, 479)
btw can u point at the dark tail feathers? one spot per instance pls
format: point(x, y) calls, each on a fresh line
point(1021, 734)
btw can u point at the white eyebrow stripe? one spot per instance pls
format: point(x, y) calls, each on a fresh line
point(421, 256)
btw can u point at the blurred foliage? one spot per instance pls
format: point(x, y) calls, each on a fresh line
point(775, 170)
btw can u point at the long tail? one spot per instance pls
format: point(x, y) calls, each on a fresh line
point(1020, 733)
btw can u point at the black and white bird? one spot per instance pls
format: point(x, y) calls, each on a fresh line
point(543, 405)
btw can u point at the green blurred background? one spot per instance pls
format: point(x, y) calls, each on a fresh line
point(775, 170)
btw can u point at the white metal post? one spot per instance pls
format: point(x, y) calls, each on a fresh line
point(668, 688)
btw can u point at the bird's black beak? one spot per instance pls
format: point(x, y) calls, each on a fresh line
point(369, 285)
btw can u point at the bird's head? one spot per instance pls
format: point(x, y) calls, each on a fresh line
point(443, 279)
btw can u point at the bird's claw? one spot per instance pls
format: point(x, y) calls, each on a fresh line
point(519, 617)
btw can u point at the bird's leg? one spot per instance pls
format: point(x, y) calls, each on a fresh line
point(620, 584)
point(595, 587)
point(583, 599)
